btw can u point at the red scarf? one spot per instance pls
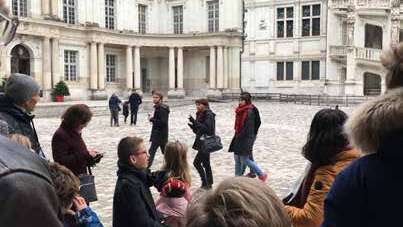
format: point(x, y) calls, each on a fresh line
point(241, 115)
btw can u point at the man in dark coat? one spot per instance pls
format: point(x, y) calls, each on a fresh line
point(133, 204)
point(367, 193)
point(27, 195)
point(135, 102)
point(159, 132)
point(16, 106)
point(114, 107)
point(203, 125)
point(247, 123)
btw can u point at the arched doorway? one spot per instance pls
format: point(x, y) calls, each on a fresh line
point(372, 84)
point(20, 60)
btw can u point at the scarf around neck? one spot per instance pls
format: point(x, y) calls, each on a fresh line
point(241, 115)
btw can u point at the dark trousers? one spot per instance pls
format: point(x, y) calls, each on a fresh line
point(114, 117)
point(126, 115)
point(133, 116)
point(202, 164)
point(153, 150)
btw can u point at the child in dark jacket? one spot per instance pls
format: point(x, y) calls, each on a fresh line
point(173, 183)
point(75, 211)
point(126, 110)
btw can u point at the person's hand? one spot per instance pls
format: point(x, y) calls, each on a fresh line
point(92, 153)
point(191, 125)
point(191, 119)
point(79, 203)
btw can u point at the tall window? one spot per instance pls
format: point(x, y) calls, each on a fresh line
point(213, 16)
point(285, 22)
point(311, 20)
point(373, 36)
point(285, 69)
point(110, 14)
point(178, 19)
point(69, 11)
point(70, 65)
point(20, 8)
point(110, 68)
point(142, 18)
point(310, 70)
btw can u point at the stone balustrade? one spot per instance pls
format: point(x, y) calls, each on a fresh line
point(338, 51)
point(368, 54)
point(344, 4)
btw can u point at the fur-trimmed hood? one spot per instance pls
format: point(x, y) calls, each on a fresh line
point(378, 125)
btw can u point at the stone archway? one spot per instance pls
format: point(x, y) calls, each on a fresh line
point(20, 60)
point(372, 84)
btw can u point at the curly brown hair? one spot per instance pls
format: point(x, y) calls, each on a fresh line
point(76, 115)
point(66, 184)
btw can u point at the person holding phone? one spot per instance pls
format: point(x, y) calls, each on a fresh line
point(68, 147)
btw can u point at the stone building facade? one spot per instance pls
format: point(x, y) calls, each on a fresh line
point(347, 46)
point(182, 47)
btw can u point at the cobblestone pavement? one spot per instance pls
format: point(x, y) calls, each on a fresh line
point(277, 149)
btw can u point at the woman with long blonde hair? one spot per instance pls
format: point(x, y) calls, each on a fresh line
point(173, 182)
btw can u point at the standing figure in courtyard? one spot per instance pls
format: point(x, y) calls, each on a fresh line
point(114, 107)
point(329, 152)
point(16, 107)
point(203, 125)
point(135, 102)
point(159, 120)
point(247, 123)
point(125, 110)
point(68, 147)
point(133, 204)
point(173, 182)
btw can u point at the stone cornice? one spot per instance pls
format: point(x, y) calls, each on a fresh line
point(55, 29)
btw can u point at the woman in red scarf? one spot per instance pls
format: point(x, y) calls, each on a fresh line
point(247, 124)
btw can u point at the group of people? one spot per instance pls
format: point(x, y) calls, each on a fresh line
point(133, 104)
point(350, 180)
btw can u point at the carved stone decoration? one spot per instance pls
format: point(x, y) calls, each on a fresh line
point(350, 28)
point(262, 24)
point(395, 3)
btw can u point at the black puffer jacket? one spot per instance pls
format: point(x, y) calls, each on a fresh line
point(204, 125)
point(27, 196)
point(19, 122)
point(242, 144)
point(159, 132)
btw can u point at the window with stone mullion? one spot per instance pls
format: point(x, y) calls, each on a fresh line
point(69, 11)
point(110, 68)
point(70, 65)
point(311, 20)
point(142, 11)
point(20, 8)
point(178, 19)
point(213, 16)
point(285, 22)
point(110, 14)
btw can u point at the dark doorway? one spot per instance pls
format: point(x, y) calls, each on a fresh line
point(373, 36)
point(20, 60)
point(372, 84)
point(145, 81)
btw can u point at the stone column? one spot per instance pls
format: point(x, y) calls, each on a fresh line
point(129, 67)
point(395, 26)
point(226, 69)
point(180, 68)
point(55, 8)
point(212, 68)
point(236, 70)
point(220, 68)
point(101, 66)
point(137, 68)
point(171, 68)
point(45, 7)
point(55, 61)
point(93, 66)
point(46, 61)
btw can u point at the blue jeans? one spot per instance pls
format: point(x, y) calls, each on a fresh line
point(241, 161)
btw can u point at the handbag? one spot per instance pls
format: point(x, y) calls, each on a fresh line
point(87, 187)
point(210, 143)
